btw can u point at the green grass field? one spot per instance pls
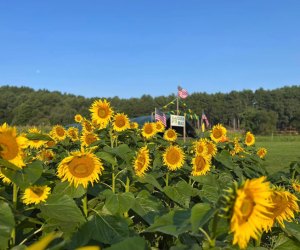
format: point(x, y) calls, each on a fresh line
point(282, 150)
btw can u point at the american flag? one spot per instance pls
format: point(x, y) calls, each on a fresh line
point(160, 116)
point(182, 93)
point(204, 118)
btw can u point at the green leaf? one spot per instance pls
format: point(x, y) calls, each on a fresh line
point(147, 207)
point(118, 203)
point(201, 213)
point(107, 157)
point(124, 152)
point(148, 178)
point(37, 136)
point(62, 207)
point(27, 176)
point(106, 229)
point(285, 243)
point(225, 159)
point(180, 193)
point(173, 223)
point(7, 223)
point(136, 243)
point(70, 190)
point(293, 229)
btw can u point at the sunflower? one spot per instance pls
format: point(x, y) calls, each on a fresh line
point(211, 148)
point(87, 126)
point(201, 164)
point(78, 118)
point(170, 135)
point(237, 147)
point(35, 143)
point(141, 161)
point(148, 130)
point(201, 147)
point(134, 125)
point(101, 112)
point(160, 127)
point(58, 133)
point(250, 139)
point(173, 157)
point(4, 179)
point(73, 133)
point(261, 152)
point(45, 155)
point(121, 122)
point(36, 194)
point(296, 185)
point(218, 133)
point(88, 138)
point(80, 168)
point(285, 205)
point(250, 209)
point(12, 145)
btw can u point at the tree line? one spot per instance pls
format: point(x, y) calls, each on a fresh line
point(261, 111)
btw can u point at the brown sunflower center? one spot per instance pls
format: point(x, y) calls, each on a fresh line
point(120, 122)
point(173, 156)
point(148, 129)
point(247, 207)
point(171, 134)
point(280, 205)
point(217, 133)
point(81, 167)
point(102, 113)
point(89, 139)
point(37, 191)
point(200, 163)
point(8, 147)
point(141, 162)
point(60, 131)
point(249, 139)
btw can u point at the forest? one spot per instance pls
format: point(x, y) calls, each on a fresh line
point(261, 111)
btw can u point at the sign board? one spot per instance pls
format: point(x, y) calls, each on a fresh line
point(177, 120)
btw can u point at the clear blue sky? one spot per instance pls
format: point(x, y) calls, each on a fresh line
point(128, 48)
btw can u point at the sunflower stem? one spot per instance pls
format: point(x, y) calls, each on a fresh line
point(293, 174)
point(84, 204)
point(210, 241)
point(127, 187)
point(113, 179)
point(167, 179)
point(15, 201)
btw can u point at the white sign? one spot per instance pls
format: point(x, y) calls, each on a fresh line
point(177, 120)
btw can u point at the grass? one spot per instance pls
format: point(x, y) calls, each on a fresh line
point(282, 150)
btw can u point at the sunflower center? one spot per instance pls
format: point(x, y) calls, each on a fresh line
point(141, 162)
point(148, 129)
point(171, 134)
point(280, 205)
point(8, 147)
point(102, 113)
point(173, 157)
point(249, 139)
point(120, 123)
point(81, 167)
point(247, 207)
point(60, 131)
point(89, 139)
point(37, 191)
point(200, 163)
point(217, 133)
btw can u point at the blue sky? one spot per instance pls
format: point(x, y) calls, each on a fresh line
point(128, 48)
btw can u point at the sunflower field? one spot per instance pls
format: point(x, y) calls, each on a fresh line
point(110, 184)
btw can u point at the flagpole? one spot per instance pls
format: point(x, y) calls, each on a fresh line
point(177, 105)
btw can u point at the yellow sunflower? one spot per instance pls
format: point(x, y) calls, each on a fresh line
point(237, 147)
point(211, 148)
point(58, 133)
point(296, 185)
point(134, 125)
point(87, 126)
point(101, 112)
point(285, 205)
point(80, 168)
point(170, 135)
point(250, 139)
point(201, 147)
point(142, 161)
point(73, 133)
point(121, 122)
point(201, 164)
point(35, 143)
point(160, 127)
point(4, 179)
point(36, 194)
point(78, 118)
point(88, 138)
point(12, 145)
point(218, 133)
point(173, 157)
point(45, 155)
point(149, 130)
point(250, 209)
point(261, 152)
